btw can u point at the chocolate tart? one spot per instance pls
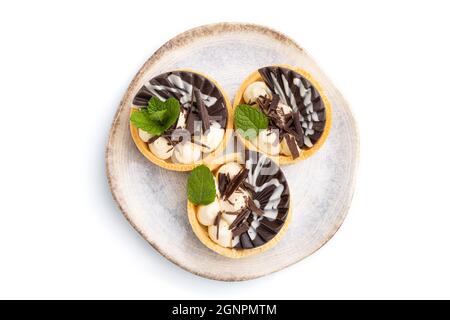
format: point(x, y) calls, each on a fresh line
point(187, 87)
point(263, 221)
point(308, 125)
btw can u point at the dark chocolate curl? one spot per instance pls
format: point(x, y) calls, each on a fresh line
point(202, 110)
point(292, 145)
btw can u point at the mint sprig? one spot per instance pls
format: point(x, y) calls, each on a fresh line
point(249, 120)
point(201, 187)
point(157, 117)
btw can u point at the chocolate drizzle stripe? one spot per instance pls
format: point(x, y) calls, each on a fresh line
point(258, 241)
point(274, 225)
point(246, 241)
point(263, 196)
point(265, 234)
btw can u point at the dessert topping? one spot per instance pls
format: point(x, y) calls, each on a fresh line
point(202, 110)
point(157, 117)
point(250, 121)
point(201, 186)
point(235, 183)
point(255, 90)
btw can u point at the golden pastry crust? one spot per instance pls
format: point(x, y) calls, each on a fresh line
point(202, 232)
point(169, 165)
point(282, 159)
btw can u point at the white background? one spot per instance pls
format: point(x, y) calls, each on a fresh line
point(63, 69)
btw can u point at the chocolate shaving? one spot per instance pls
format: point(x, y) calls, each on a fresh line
point(292, 145)
point(243, 227)
point(217, 223)
point(202, 110)
point(269, 108)
point(223, 182)
point(190, 121)
point(192, 97)
point(254, 208)
point(297, 124)
point(289, 122)
point(240, 217)
point(274, 103)
point(200, 144)
point(236, 182)
point(263, 103)
point(232, 213)
point(292, 132)
point(247, 186)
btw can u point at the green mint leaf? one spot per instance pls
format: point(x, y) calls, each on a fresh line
point(154, 104)
point(165, 112)
point(249, 120)
point(201, 186)
point(158, 115)
point(141, 119)
point(172, 107)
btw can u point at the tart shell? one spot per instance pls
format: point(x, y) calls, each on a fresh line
point(304, 154)
point(202, 231)
point(144, 149)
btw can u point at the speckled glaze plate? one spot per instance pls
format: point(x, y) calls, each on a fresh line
point(154, 199)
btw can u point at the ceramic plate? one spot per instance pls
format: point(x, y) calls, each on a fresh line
point(154, 200)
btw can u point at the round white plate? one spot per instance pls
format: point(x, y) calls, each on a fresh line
point(154, 199)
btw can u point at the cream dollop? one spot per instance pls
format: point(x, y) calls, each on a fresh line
point(144, 135)
point(161, 148)
point(206, 215)
point(268, 141)
point(212, 138)
point(230, 168)
point(255, 90)
point(229, 217)
point(235, 202)
point(187, 152)
point(225, 234)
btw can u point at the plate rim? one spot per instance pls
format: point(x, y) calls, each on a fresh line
point(181, 40)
